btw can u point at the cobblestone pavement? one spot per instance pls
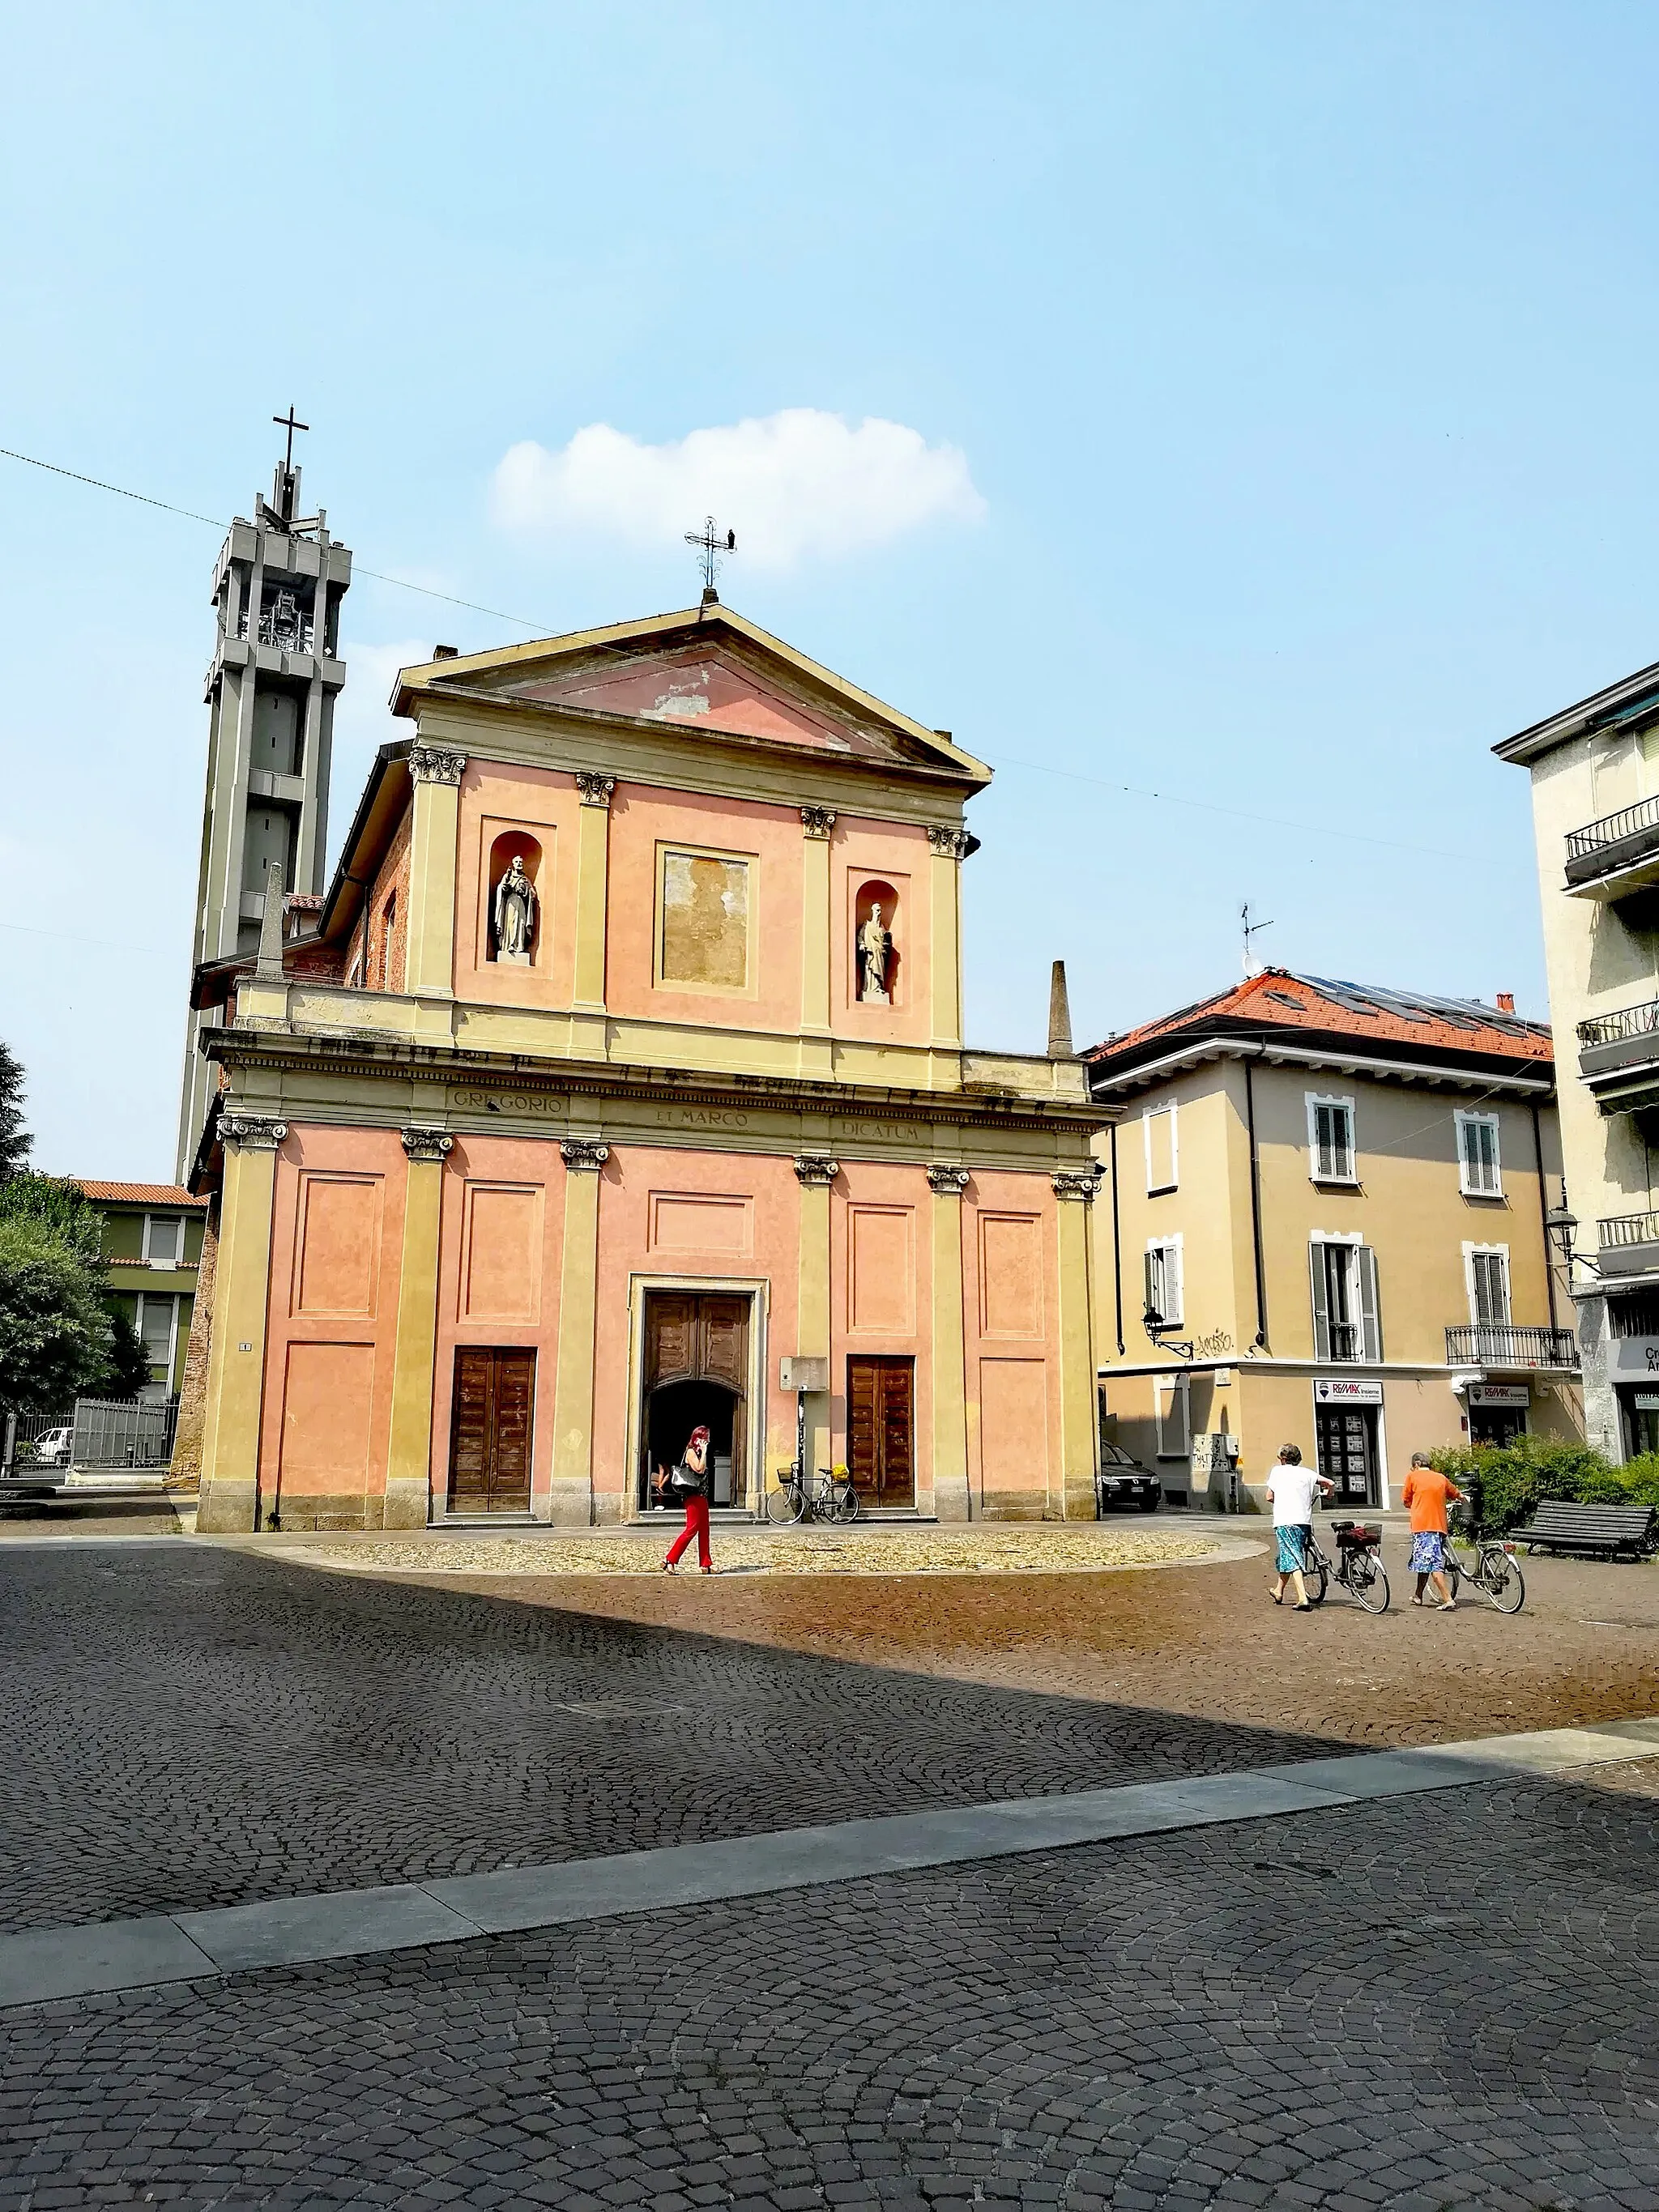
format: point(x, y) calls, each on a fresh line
point(1405, 2005)
point(185, 1725)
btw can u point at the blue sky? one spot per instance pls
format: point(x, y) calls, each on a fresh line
point(1297, 359)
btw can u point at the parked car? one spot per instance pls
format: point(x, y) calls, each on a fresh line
point(1124, 1481)
point(53, 1447)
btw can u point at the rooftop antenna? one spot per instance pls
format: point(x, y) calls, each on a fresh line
point(711, 543)
point(1252, 965)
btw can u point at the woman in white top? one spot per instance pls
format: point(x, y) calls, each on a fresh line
point(1291, 1492)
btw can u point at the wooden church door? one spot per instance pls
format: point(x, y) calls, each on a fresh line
point(490, 1430)
point(880, 1427)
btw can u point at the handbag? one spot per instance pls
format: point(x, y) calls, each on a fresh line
point(685, 1482)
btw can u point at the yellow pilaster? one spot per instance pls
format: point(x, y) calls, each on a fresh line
point(1079, 1427)
point(815, 1172)
point(947, 848)
point(572, 1499)
point(952, 1495)
point(408, 1455)
point(231, 1504)
point(429, 969)
point(592, 889)
point(817, 822)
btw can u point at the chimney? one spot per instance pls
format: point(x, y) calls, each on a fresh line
point(1060, 1015)
point(1506, 1002)
point(446, 653)
point(267, 966)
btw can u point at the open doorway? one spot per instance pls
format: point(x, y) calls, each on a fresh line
point(695, 1371)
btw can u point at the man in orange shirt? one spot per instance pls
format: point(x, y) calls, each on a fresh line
point(1426, 1493)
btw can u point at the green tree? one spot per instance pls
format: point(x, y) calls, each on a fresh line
point(129, 1361)
point(56, 1334)
point(13, 1137)
point(60, 1207)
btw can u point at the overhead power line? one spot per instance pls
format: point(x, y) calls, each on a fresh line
point(1007, 760)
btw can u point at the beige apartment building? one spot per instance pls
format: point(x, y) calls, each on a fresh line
point(1323, 1224)
point(1595, 771)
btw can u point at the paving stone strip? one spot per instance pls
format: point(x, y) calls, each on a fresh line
point(46, 1964)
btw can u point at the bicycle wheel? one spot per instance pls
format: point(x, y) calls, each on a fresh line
point(1502, 1583)
point(786, 1504)
point(846, 1507)
point(1316, 1575)
point(1368, 1579)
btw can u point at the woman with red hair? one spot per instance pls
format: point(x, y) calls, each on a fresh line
point(689, 1480)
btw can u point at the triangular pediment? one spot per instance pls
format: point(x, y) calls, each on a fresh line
point(705, 670)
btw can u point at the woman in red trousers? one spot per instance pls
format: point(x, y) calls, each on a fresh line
point(691, 1480)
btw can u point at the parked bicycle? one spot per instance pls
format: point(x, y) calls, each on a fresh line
point(1359, 1569)
point(1488, 1564)
point(830, 1497)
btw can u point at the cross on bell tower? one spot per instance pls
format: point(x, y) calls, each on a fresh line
point(271, 688)
point(710, 545)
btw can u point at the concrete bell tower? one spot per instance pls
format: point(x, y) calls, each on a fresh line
point(271, 686)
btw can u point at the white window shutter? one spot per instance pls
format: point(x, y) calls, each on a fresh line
point(1174, 1288)
point(1371, 1311)
point(1321, 1310)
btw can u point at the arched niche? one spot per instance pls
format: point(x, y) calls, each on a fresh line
point(876, 892)
point(514, 845)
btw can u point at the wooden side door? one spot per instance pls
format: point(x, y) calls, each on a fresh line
point(880, 1430)
point(490, 1430)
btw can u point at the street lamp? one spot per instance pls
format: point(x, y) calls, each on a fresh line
point(1559, 1223)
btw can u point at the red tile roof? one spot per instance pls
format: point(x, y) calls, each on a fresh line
point(1276, 1000)
point(140, 1193)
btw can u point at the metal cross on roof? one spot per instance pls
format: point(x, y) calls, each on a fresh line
point(710, 544)
point(290, 423)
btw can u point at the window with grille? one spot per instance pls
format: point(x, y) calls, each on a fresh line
point(1330, 1139)
point(164, 1239)
point(1347, 1311)
point(1480, 1175)
point(1489, 1286)
point(1163, 1285)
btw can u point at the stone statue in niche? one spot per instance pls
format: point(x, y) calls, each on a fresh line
point(875, 958)
point(515, 916)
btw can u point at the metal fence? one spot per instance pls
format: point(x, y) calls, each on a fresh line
point(96, 1434)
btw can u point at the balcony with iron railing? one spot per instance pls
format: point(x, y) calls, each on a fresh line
point(1627, 1244)
point(1503, 1343)
point(1617, 854)
point(1618, 1056)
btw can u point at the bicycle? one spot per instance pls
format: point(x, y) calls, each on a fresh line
point(1486, 1563)
point(1359, 1568)
point(831, 1498)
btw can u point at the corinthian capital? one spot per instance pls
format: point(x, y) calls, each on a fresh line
point(595, 790)
point(946, 1178)
point(818, 821)
point(950, 842)
point(816, 1169)
point(250, 1132)
point(436, 764)
point(584, 1155)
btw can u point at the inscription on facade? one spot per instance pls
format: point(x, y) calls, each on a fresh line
point(510, 1102)
point(883, 1133)
point(701, 1117)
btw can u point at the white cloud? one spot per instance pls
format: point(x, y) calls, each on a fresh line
point(796, 484)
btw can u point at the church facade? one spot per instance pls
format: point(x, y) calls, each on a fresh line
point(619, 1084)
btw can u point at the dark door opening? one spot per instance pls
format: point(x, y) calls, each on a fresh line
point(490, 1430)
point(1346, 1436)
point(880, 1450)
point(696, 1369)
point(1641, 1422)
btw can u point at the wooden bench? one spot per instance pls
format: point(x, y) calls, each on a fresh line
point(1603, 1530)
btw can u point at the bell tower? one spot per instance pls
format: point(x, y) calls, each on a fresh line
point(271, 685)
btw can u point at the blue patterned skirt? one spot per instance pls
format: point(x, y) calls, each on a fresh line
point(1428, 1552)
point(1290, 1541)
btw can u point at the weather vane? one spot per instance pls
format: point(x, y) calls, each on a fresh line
point(710, 543)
